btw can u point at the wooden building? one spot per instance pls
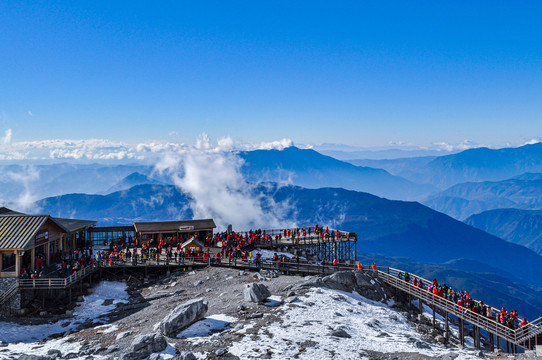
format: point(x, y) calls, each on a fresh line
point(173, 231)
point(27, 239)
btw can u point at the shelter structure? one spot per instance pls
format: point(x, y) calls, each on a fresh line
point(192, 244)
point(28, 241)
point(171, 232)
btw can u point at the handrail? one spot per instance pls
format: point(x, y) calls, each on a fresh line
point(516, 336)
point(389, 275)
point(57, 283)
point(8, 293)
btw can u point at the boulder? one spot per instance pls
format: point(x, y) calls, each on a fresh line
point(135, 355)
point(54, 352)
point(183, 316)
point(256, 292)
point(187, 356)
point(341, 333)
point(150, 342)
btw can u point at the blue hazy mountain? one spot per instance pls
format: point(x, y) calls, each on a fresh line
point(132, 180)
point(306, 168)
point(310, 169)
point(62, 178)
point(523, 227)
point(473, 165)
point(139, 203)
point(463, 200)
point(392, 228)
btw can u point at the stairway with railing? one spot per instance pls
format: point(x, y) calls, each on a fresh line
point(521, 337)
point(518, 336)
point(8, 293)
point(57, 283)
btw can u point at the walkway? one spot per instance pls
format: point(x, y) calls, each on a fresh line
point(523, 337)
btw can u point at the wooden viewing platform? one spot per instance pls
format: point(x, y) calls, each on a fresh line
point(524, 338)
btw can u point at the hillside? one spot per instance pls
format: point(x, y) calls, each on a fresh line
point(132, 180)
point(523, 227)
point(463, 200)
point(392, 228)
point(473, 165)
point(311, 169)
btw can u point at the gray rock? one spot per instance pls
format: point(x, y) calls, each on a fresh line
point(71, 356)
point(290, 299)
point(107, 302)
point(440, 339)
point(187, 356)
point(183, 316)
point(31, 357)
point(135, 355)
point(255, 316)
point(259, 277)
point(421, 345)
point(341, 333)
point(198, 283)
point(155, 357)
point(112, 349)
point(54, 352)
point(256, 292)
point(150, 343)
point(221, 352)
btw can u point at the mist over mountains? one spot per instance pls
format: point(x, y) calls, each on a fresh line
point(391, 228)
point(473, 165)
point(522, 227)
point(301, 187)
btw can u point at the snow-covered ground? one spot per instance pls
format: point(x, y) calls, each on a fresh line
point(323, 324)
point(27, 338)
point(308, 324)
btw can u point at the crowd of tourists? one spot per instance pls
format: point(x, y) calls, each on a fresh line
point(465, 302)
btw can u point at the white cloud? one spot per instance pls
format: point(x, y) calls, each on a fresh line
point(464, 145)
point(212, 177)
point(6, 139)
point(532, 141)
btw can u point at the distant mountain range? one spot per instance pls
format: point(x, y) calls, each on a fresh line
point(310, 169)
point(523, 227)
point(464, 200)
point(132, 180)
point(391, 228)
point(473, 165)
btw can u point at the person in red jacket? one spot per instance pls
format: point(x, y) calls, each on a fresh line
point(374, 267)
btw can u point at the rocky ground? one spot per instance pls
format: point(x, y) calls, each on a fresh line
point(223, 291)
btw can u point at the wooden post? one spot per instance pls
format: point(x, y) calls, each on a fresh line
point(420, 306)
point(447, 327)
point(434, 318)
point(461, 332)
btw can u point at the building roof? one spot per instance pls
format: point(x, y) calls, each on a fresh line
point(16, 231)
point(5, 211)
point(174, 226)
point(71, 225)
point(192, 241)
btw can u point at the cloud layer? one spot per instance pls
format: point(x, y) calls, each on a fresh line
point(103, 149)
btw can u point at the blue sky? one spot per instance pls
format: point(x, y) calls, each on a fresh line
point(358, 73)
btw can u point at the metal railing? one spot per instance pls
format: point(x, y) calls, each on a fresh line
point(57, 283)
point(389, 275)
point(8, 293)
point(517, 336)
